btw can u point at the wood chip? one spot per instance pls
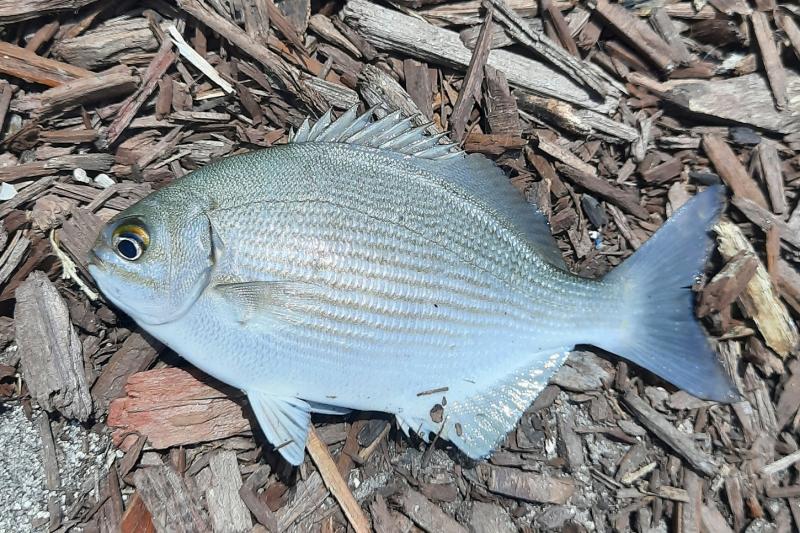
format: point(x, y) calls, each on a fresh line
point(78, 92)
point(426, 515)
point(731, 170)
point(770, 169)
point(742, 99)
point(51, 356)
point(470, 89)
point(226, 509)
point(529, 486)
point(171, 407)
point(771, 58)
point(638, 34)
point(387, 29)
point(545, 48)
point(680, 442)
point(725, 287)
point(623, 199)
point(172, 506)
point(27, 65)
point(760, 300)
point(136, 354)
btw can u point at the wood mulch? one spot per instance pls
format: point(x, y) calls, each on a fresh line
point(607, 115)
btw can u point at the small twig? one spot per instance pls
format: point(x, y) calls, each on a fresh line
point(335, 482)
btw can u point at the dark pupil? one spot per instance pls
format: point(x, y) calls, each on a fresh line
point(128, 247)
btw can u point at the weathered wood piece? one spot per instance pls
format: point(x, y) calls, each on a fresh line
point(322, 26)
point(29, 66)
point(625, 200)
point(136, 354)
point(307, 499)
point(728, 284)
point(12, 256)
point(731, 170)
point(760, 300)
point(743, 99)
point(81, 91)
point(93, 161)
point(390, 30)
point(767, 221)
point(283, 24)
point(544, 47)
point(225, 508)
point(638, 34)
point(681, 443)
point(419, 86)
point(286, 76)
point(425, 514)
point(16, 10)
point(172, 407)
point(256, 20)
point(473, 79)
point(192, 56)
point(501, 106)
point(790, 28)
point(172, 506)
point(335, 482)
point(771, 58)
point(158, 67)
point(769, 164)
point(529, 486)
point(113, 42)
point(49, 455)
point(560, 26)
point(583, 122)
point(665, 172)
point(51, 356)
point(249, 494)
point(666, 28)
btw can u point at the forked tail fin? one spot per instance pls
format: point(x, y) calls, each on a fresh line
point(660, 331)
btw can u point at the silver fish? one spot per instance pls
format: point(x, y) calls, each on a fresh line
point(367, 266)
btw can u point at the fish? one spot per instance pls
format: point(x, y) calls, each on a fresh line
point(367, 265)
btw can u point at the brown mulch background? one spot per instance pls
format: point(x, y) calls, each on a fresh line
point(607, 116)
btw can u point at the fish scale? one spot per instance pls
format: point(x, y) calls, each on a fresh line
point(363, 266)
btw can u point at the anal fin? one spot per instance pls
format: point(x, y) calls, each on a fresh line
point(478, 423)
point(284, 422)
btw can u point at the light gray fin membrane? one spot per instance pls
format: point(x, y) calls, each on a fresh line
point(284, 422)
point(394, 131)
point(478, 424)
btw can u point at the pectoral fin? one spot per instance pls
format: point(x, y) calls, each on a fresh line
point(284, 422)
point(279, 300)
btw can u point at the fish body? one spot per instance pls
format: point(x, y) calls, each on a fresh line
point(363, 266)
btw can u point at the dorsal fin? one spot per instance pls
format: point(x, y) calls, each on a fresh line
point(473, 173)
point(393, 132)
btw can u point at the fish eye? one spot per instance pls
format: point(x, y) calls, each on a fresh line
point(130, 241)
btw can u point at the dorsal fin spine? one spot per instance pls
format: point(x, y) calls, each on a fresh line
point(393, 132)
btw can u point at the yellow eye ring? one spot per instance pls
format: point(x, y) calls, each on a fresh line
point(130, 241)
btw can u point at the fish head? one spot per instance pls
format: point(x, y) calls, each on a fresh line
point(154, 259)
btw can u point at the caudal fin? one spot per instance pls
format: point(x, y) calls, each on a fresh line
point(660, 331)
